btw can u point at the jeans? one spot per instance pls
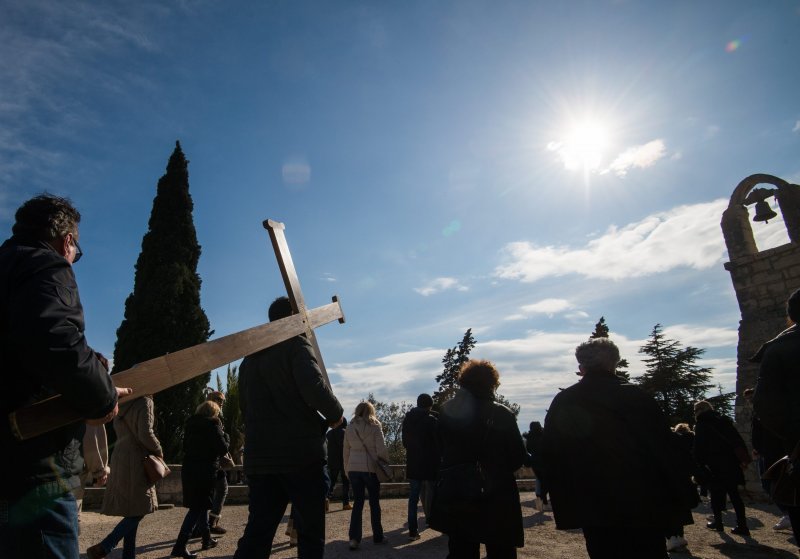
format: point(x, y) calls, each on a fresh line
point(126, 529)
point(269, 496)
point(220, 492)
point(41, 525)
point(194, 517)
point(418, 488)
point(361, 481)
point(335, 473)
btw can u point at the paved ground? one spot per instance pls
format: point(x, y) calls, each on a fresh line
point(157, 533)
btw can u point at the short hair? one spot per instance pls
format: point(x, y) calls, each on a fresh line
point(598, 355)
point(366, 410)
point(216, 396)
point(480, 377)
point(424, 401)
point(280, 308)
point(793, 306)
point(702, 406)
point(46, 218)
point(208, 409)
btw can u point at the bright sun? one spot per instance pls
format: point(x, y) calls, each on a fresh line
point(584, 144)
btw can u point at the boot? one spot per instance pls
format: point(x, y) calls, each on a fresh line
point(208, 542)
point(213, 524)
point(179, 549)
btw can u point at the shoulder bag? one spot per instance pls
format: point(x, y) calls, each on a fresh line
point(382, 468)
point(155, 469)
point(784, 479)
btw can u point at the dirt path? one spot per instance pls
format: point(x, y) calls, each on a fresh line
point(157, 534)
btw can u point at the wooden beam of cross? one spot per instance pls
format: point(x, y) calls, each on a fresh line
point(174, 368)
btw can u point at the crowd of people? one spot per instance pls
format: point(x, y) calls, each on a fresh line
point(605, 458)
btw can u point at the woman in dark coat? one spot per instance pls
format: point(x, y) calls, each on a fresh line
point(474, 427)
point(533, 444)
point(203, 444)
point(719, 447)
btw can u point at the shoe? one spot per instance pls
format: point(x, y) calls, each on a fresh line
point(209, 543)
point(347, 506)
point(713, 525)
point(96, 552)
point(413, 535)
point(783, 524)
point(214, 527)
point(353, 544)
point(382, 541)
point(181, 551)
point(741, 531)
point(673, 543)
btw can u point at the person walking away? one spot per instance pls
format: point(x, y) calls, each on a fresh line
point(204, 443)
point(129, 493)
point(282, 394)
point(776, 401)
point(420, 432)
point(610, 467)
point(475, 428)
point(94, 449)
point(363, 444)
point(221, 483)
point(533, 444)
point(44, 353)
point(682, 446)
point(335, 439)
point(719, 447)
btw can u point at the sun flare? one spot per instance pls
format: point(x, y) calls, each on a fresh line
point(584, 144)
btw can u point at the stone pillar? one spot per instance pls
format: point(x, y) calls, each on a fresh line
point(762, 279)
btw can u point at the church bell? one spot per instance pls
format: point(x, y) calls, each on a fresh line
point(764, 212)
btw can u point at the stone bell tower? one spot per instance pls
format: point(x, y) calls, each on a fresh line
point(762, 280)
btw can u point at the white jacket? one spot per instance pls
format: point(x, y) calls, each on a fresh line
point(356, 458)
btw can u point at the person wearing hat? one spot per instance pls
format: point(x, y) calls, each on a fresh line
point(776, 401)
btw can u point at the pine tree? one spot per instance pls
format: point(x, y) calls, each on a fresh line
point(672, 377)
point(723, 402)
point(163, 313)
point(391, 416)
point(601, 331)
point(232, 415)
point(453, 359)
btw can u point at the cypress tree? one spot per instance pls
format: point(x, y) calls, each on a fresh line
point(163, 313)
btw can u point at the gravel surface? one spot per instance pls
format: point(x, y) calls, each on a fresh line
point(157, 534)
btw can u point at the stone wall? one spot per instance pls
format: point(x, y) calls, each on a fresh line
point(170, 490)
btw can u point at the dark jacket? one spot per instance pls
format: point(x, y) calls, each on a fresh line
point(776, 401)
point(281, 389)
point(203, 443)
point(715, 442)
point(471, 427)
point(43, 352)
point(335, 438)
point(420, 438)
point(608, 454)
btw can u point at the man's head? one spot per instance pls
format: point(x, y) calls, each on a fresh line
point(597, 356)
point(793, 307)
point(702, 407)
point(424, 401)
point(280, 308)
point(51, 219)
point(217, 397)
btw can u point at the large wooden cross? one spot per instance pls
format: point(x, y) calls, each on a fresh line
point(169, 370)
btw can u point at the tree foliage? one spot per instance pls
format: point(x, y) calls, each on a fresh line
point(453, 359)
point(163, 313)
point(601, 331)
point(723, 402)
point(672, 377)
point(232, 414)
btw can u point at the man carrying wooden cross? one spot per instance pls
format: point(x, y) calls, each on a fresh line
point(287, 406)
point(43, 352)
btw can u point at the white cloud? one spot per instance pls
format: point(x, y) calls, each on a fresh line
point(702, 336)
point(640, 157)
point(440, 284)
point(796, 126)
point(685, 236)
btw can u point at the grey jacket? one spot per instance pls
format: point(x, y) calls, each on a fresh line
point(282, 394)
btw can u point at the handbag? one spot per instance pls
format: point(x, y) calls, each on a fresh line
point(383, 470)
point(155, 469)
point(784, 479)
point(226, 462)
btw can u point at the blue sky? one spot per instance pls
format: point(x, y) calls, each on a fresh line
point(518, 168)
